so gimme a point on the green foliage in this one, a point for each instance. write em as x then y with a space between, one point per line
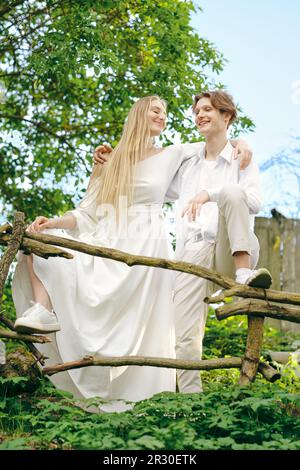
228 337
70 71
11 383
262 417
15 444
7 301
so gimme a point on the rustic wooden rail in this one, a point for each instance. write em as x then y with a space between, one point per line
256 303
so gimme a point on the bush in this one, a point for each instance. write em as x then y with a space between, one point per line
264 416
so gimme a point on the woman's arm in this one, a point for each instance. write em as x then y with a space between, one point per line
67 222
242 149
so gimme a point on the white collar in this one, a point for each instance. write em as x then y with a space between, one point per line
225 153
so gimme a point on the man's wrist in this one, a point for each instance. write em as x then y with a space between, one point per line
207 196
213 194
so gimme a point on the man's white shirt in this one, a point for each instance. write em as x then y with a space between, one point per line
197 174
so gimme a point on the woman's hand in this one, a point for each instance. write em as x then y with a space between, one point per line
42 223
101 153
193 207
243 150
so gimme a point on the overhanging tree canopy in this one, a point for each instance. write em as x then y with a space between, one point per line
70 71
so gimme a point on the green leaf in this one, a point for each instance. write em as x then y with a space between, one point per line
57 112
15 444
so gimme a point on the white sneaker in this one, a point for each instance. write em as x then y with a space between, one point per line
37 319
258 278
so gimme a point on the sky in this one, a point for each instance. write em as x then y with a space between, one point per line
261 41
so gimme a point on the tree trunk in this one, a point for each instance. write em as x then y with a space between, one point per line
253 349
20 363
12 249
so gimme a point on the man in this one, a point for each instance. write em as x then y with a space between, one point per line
216 207
217 203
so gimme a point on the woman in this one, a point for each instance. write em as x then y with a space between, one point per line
98 306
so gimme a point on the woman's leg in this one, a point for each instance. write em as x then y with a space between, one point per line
40 294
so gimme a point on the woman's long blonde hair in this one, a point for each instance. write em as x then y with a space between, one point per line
114 179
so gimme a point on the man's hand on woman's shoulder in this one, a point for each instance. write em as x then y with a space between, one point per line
244 151
101 154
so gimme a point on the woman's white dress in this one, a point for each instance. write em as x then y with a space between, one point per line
104 307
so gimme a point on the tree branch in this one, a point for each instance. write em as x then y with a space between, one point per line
38 125
38 248
6 228
259 308
133 260
117 255
269 373
12 249
6 322
42 250
240 290
219 363
248 306
16 74
253 349
46 130
223 281
23 337
10 6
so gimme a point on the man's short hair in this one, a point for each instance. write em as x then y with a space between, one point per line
219 100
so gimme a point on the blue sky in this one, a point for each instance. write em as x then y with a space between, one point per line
261 41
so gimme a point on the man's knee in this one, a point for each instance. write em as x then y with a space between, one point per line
232 193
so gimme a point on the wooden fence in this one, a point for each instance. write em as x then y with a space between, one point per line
254 302
280 252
